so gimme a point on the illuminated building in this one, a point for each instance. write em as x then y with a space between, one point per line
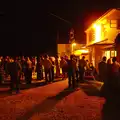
74 48
101 34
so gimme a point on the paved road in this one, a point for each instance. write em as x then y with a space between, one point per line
53 102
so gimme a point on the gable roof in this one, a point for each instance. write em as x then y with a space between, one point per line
109 12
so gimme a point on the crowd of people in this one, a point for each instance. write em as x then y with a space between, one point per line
109 74
48 68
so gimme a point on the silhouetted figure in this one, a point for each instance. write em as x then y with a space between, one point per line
63 65
28 71
47 68
82 64
14 69
39 69
52 69
102 68
57 65
24 67
71 72
111 108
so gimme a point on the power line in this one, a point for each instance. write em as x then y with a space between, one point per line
61 18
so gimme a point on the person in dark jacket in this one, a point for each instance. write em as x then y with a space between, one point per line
39 68
14 69
71 72
102 68
82 65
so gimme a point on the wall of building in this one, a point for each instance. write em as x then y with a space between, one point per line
63 49
66 49
99 53
107 32
96 52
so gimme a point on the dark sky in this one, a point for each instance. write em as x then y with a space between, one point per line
27 27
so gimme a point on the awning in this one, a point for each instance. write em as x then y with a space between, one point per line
81 51
109 47
102 43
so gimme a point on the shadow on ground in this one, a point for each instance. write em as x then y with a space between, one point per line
89 89
5 87
47 105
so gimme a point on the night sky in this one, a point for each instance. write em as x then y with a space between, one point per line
27 27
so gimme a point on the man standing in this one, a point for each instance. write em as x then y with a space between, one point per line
29 71
47 67
71 71
39 68
14 69
102 68
82 64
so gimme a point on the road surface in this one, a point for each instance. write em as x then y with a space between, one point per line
53 102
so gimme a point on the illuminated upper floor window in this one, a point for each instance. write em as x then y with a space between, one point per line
113 23
91 36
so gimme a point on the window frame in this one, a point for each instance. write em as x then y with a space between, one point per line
113 22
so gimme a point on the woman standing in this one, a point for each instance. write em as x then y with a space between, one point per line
57 64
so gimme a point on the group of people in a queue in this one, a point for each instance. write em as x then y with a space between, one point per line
51 68
23 67
16 68
72 68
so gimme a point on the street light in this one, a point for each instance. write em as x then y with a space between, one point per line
73 44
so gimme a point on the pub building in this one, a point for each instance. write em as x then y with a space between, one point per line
101 35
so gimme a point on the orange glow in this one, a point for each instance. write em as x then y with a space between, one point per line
107 54
79 52
115 53
73 44
97 28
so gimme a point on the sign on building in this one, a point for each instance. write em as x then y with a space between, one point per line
71 36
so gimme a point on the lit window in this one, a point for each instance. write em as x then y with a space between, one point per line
113 23
112 53
115 53
107 54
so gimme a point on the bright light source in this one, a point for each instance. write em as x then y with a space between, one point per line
73 44
83 47
79 52
84 51
97 28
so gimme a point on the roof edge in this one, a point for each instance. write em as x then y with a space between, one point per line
110 11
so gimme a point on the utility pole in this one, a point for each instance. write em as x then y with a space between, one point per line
71 33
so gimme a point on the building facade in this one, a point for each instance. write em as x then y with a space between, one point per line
75 48
100 36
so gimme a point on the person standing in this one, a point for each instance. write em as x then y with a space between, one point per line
39 69
47 68
57 65
14 69
63 65
29 71
52 69
24 66
71 71
82 65
102 68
